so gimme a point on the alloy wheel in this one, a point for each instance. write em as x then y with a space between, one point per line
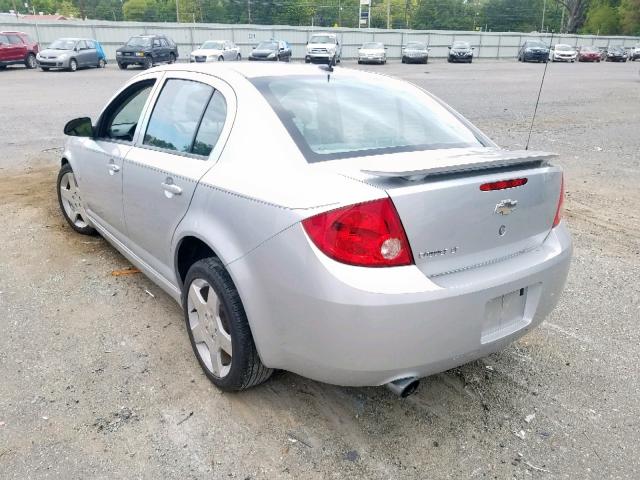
209 327
71 200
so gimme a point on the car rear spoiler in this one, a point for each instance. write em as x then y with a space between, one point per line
440 162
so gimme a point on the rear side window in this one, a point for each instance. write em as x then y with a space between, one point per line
211 125
4 39
90 44
15 39
177 114
344 117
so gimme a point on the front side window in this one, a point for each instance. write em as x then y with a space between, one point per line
337 119
139 42
15 40
123 115
4 39
176 115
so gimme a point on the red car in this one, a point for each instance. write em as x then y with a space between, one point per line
17 48
589 54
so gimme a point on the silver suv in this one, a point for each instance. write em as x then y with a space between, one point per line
323 48
352 242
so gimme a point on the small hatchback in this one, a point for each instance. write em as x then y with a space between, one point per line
350 241
71 54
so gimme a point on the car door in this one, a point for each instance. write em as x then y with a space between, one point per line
81 53
91 53
99 164
17 50
157 50
179 145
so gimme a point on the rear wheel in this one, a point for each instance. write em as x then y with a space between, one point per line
404 59
30 61
70 201
218 328
73 65
239 58
101 63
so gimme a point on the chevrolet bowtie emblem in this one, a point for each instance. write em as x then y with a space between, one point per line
505 207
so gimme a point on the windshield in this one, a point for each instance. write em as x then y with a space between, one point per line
63 44
536 45
590 49
322 39
211 45
461 45
563 48
267 46
139 42
417 46
373 45
336 119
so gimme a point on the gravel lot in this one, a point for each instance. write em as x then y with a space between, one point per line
98 379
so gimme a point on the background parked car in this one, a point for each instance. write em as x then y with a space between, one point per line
323 48
17 48
272 50
216 51
415 52
71 54
603 53
533 51
460 52
589 54
616 54
372 52
561 52
147 50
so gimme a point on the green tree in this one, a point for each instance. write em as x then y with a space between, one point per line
68 9
140 10
630 17
602 18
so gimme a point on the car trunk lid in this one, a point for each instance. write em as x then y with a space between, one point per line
453 224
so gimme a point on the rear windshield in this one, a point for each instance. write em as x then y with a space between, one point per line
563 47
343 117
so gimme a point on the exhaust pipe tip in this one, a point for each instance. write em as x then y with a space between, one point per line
404 387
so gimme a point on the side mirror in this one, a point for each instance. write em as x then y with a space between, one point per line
449 48
79 127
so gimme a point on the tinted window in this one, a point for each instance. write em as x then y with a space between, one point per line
4 39
156 43
124 113
211 126
90 44
139 42
14 39
373 45
337 119
176 115
81 45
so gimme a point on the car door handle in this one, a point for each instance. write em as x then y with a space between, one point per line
171 188
113 168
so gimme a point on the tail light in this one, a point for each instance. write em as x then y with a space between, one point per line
560 208
366 234
503 184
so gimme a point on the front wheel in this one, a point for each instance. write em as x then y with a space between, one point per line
73 65
218 328
30 61
101 63
122 66
44 69
148 63
172 58
70 201
238 58
221 58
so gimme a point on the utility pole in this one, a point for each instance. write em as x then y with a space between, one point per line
340 13
544 10
388 14
177 14
249 9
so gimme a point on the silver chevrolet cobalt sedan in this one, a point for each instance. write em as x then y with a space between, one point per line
342 225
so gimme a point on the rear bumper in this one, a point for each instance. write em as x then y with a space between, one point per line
356 326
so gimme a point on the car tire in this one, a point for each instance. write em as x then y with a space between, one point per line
44 69
73 65
221 58
218 326
239 58
102 63
359 62
30 61
122 66
172 58
404 60
148 63
70 201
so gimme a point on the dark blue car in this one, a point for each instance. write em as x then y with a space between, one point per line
533 51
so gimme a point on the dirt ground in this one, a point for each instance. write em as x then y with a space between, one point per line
97 377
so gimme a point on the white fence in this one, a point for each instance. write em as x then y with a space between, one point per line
189 36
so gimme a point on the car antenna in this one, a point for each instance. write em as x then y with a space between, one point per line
535 111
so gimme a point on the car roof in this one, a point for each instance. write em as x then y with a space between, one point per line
9 31
251 70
